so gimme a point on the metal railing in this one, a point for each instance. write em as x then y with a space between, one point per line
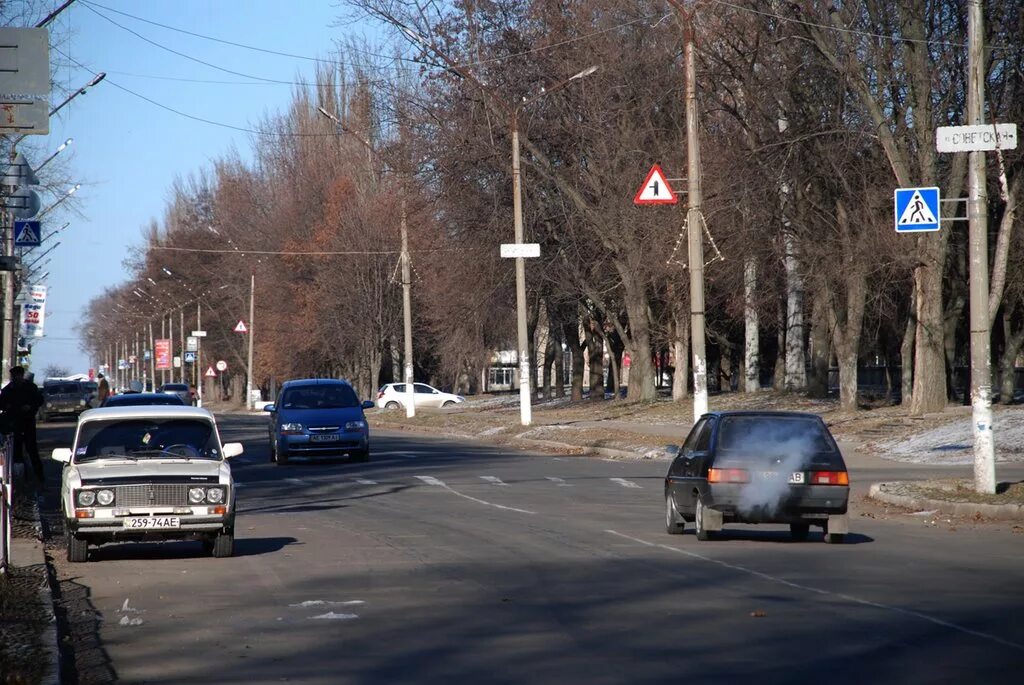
6 490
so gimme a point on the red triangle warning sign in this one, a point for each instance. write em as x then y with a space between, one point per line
655 190
240 327
210 373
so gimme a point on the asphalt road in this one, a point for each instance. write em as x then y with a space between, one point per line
451 562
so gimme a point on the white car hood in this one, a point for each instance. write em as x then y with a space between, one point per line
144 468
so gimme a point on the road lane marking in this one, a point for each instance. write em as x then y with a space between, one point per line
430 480
494 480
625 483
559 481
297 481
366 481
828 593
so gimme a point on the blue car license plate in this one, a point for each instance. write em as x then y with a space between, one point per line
324 438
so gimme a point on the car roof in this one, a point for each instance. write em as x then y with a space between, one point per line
765 414
147 411
305 382
158 396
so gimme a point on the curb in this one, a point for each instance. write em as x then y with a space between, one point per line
49 637
1001 512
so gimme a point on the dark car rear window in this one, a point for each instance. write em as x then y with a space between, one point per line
174 386
773 435
131 400
320 397
61 388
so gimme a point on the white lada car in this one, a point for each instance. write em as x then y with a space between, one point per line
147 472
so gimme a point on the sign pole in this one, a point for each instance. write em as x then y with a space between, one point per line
410 396
525 409
199 355
977 215
252 306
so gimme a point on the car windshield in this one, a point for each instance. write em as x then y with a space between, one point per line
139 399
147 438
320 397
61 388
773 436
174 386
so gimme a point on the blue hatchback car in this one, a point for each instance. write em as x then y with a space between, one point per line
318 417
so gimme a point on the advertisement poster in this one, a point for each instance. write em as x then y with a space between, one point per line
163 353
33 312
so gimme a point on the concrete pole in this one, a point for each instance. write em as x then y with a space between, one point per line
410 391
695 229
152 355
163 336
199 356
977 214
525 410
252 330
181 342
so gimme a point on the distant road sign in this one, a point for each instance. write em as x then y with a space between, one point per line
198 334
210 373
222 365
191 345
917 209
509 250
27 234
190 357
982 137
655 189
240 327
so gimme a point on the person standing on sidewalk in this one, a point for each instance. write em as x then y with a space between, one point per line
102 390
20 400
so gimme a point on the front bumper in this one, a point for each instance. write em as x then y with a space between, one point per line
114 526
796 504
305 446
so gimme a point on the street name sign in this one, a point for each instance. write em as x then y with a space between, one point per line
198 334
27 234
510 250
917 209
655 189
977 138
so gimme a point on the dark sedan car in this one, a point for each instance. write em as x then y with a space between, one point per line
758 467
318 417
132 399
63 398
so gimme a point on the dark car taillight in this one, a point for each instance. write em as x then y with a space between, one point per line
728 476
828 478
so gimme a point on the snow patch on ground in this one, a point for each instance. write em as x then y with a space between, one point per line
492 431
953 443
331 616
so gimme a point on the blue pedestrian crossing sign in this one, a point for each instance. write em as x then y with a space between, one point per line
27 234
190 357
917 209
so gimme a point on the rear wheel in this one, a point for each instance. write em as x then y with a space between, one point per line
673 521
391 405
703 534
223 544
78 549
799 531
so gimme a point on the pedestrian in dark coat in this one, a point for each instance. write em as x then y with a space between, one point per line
20 400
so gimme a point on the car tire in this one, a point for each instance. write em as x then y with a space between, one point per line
835 538
799 531
223 544
392 405
674 524
703 534
449 403
78 549
280 458
273 451
361 455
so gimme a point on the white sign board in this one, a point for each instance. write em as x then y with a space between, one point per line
176 362
983 137
510 250
25 80
33 312
191 343
198 334
222 365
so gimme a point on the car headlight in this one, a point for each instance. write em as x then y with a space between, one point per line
196 495
86 498
81 403
49 405
291 427
215 495
355 425
105 497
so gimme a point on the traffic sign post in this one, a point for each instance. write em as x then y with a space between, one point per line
916 209
655 189
513 250
190 356
222 366
240 327
210 373
27 234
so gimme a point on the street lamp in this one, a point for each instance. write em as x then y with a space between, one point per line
56 152
81 91
71 191
517 207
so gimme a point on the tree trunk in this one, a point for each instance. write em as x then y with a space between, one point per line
595 359
780 355
559 366
817 385
796 367
576 347
680 348
752 352
907 355
531 343
641 362
1008 360
549 360
929 393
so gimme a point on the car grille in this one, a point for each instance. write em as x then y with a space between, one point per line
324 429
155 494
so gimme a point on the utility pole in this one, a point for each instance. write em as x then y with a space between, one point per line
152 355
181 331
252 310
199 355
694 222
410 391
525 396
977 215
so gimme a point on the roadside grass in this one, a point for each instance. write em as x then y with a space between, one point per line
962 490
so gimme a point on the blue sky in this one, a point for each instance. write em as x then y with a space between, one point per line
127 152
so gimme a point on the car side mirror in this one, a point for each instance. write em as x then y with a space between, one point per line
368 404
62 454
672 450
232 449
269 407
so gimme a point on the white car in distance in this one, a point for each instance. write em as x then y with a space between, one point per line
394 396
147 472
